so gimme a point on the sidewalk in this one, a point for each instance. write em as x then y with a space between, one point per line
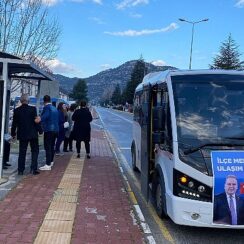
78 201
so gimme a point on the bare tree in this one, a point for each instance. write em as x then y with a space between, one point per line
107 95
27 30
16 85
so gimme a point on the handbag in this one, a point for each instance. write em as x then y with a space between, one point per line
66 125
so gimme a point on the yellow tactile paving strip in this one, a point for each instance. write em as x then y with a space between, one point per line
58 223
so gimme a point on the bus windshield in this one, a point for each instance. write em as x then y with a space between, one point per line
209 111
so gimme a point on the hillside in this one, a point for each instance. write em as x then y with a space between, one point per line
104 80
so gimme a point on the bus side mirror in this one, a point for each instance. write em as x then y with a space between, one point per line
158 120
158 137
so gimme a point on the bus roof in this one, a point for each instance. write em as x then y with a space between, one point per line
160 77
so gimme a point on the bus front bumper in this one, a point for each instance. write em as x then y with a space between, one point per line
193 213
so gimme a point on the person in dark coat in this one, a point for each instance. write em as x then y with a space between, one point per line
27 132
61 131
6 154
68 140
82 128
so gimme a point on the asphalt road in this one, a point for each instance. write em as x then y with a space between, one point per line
119 126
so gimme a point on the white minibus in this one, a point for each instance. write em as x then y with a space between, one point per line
180 117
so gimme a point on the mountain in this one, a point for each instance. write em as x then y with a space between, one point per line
66 83
107 79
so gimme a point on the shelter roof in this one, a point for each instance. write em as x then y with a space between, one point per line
20 68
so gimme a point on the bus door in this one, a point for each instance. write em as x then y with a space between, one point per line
145 139
1 116
1 105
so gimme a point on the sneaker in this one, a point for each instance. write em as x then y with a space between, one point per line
52 163
88 156
7 164
59 154
45 167
78 155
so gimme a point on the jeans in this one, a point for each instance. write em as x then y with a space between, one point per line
59 141
49 143
68 141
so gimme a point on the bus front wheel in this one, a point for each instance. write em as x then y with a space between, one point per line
159 198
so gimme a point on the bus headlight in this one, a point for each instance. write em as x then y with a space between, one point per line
187 187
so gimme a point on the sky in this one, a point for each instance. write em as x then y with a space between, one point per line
102 34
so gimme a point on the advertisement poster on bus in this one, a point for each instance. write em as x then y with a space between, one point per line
228 187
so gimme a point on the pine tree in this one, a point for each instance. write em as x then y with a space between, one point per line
229 57
137 75
116 97
80 91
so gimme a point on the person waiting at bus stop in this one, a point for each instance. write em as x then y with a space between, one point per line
61 131
6 153
27 132
49 120
68 140
82 128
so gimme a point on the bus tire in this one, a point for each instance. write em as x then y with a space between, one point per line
133 157
159 197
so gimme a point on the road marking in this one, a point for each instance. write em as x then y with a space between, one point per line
151 240
121 170
145 228
133 198
139 212
161 224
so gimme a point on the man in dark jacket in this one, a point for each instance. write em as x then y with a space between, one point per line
49 120
27 132
82 129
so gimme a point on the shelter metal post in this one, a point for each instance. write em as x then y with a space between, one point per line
5 82
38 97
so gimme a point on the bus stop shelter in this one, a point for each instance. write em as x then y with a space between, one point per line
13 67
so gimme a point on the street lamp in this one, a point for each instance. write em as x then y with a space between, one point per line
192 34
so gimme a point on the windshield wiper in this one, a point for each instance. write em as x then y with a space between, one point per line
235 138
195 149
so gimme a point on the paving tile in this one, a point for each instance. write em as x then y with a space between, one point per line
3 237
73 186
69 199
60 206
54 238
60 226
60 215
63 191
